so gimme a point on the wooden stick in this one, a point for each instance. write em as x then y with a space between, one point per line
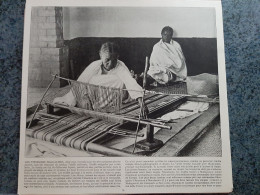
115 118
107 151
145 72
203 99
142 102
180 94
154 120
186 110
121 134
125 131
49 115
147 122
46 119
41 100
93 84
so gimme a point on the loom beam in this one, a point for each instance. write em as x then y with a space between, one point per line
107 151
107 116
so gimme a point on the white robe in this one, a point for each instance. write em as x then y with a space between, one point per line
167 59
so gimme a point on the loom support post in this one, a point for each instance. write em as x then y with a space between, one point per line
150 143
150 132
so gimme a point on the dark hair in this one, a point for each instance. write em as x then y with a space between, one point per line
167 28
109 47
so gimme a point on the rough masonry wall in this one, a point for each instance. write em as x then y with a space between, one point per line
48 55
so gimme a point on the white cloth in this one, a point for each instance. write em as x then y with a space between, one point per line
93 74
194 107
167 58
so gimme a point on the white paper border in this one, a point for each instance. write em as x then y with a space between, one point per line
226 158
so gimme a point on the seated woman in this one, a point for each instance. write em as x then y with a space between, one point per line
167 65
108 72
167 62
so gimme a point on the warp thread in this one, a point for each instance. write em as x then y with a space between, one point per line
96 97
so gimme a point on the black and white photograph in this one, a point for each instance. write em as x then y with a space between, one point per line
123 82
124 97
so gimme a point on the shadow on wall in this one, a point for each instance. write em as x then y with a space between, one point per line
200 53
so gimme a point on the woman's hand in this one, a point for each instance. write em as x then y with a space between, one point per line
144 110
135 76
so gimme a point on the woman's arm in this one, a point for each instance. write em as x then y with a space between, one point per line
134 89
144 109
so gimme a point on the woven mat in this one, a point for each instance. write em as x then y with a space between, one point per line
174 88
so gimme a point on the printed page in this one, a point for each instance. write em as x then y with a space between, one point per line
124 97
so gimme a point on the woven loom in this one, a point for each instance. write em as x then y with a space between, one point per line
77 130
99 111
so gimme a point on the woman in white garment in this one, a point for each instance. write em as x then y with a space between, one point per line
167 65
108 72
167 62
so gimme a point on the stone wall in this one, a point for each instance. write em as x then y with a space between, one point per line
48 54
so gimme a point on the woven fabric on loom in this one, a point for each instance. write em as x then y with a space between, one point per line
109 100
97 98
174 88
90 97
72 130
131 107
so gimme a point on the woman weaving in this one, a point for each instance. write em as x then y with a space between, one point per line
107 72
